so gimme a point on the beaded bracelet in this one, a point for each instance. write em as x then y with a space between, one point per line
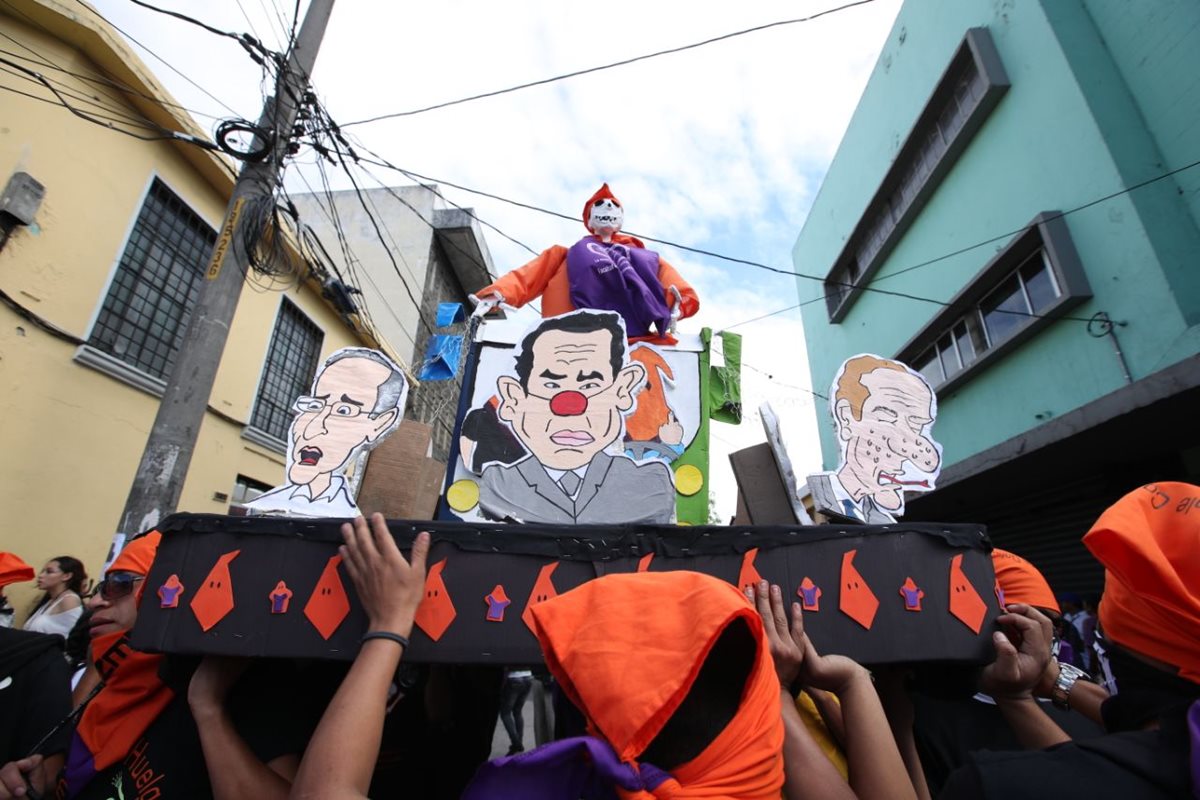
391 637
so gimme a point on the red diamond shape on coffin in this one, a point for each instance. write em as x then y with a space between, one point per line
748 576
328 605
436 611
543 590
856 600
965 602
215 598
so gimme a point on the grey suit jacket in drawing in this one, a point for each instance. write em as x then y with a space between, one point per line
615 490
826 500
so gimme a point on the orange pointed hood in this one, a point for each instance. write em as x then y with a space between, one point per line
627 649
137 555
14 570
1021 582
1149 544
603 193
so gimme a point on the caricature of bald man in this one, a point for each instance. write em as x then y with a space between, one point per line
883 412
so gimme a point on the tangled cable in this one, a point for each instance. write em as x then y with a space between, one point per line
262 141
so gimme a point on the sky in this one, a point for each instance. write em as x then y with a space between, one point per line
721 147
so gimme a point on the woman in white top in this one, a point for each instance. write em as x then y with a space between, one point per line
62 580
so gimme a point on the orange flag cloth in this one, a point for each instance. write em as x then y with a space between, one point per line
1149 544
1021 581
14 570
626 649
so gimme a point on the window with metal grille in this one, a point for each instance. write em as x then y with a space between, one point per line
146 311
291 364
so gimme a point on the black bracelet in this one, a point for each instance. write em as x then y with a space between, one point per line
391 637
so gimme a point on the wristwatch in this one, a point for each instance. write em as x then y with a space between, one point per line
1067 675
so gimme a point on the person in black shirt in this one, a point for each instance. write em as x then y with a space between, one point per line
1149 630
150 734
35 694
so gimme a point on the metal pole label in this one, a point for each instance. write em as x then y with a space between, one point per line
218 256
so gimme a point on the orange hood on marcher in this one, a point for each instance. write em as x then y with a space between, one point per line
1022 582
626 650
1149 544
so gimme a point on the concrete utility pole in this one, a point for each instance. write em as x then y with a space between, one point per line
164 465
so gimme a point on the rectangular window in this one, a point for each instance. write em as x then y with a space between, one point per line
1034 280
971 86
1040 287
951 365
929 366
963 343
291 365
145 314
247 489
1004 309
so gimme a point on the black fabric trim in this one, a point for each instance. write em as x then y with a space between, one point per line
582 542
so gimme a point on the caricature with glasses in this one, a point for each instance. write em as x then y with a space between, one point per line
357 399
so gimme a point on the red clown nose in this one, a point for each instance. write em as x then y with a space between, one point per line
568 404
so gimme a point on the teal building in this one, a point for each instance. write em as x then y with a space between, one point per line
1015 212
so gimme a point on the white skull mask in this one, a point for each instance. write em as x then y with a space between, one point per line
605 218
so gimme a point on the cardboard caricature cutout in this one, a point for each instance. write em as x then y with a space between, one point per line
547 437
357 398
884 413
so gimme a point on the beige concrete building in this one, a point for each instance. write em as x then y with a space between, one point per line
440 255
97 289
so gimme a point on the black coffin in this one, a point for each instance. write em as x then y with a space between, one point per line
324 620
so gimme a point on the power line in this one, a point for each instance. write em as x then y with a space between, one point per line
794 274
611 65
104 122
191 20
433 188
166 63
121 113
44 61
387 251
688 248
249 22
762 316
992 240
1049 218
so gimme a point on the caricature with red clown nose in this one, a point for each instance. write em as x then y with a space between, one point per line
606 271
567 404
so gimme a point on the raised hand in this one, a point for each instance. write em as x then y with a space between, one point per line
389 587
785 651
1022 653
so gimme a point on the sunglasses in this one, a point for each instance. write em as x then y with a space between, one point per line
116 586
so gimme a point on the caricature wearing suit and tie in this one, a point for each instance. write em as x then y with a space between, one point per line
356 400
884 413
567 404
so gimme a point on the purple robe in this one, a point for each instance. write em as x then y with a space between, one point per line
621 278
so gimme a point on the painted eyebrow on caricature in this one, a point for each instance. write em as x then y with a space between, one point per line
551 375
346 399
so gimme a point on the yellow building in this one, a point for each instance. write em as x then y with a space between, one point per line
97 289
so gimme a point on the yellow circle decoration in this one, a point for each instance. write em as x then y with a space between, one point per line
463 495
688 480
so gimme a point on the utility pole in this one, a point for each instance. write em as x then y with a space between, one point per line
160 475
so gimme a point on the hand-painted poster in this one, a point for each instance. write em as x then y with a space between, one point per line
568 423
357 398
884 413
